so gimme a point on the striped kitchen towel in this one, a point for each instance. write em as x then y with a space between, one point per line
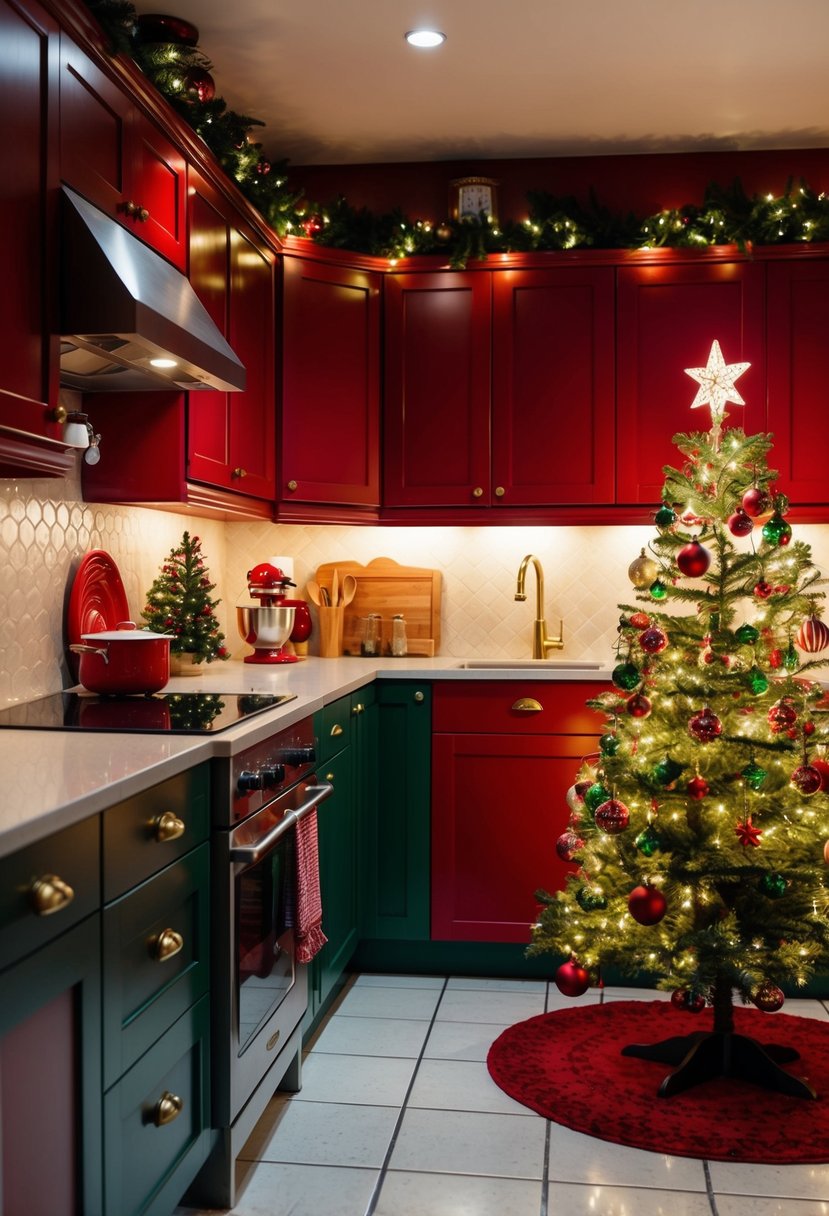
309 935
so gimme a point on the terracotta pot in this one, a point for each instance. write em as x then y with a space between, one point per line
125 660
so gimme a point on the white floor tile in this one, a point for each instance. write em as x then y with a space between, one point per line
304 1190
417 1194
740 1205
462 1142
806 1009
462 1040
569 1199
557 1000
465 982
366 1080
615 992
575 1157
489 1006
784 1181
399 981
460 1085
326 1133
372 1036
371 1002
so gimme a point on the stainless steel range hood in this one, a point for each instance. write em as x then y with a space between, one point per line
129 320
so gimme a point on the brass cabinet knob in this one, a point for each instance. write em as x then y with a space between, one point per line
292 485
358 708
418 696
499 491
168 826
166 945
239 472
167 1108
135 211
329 777
478 492
336 730
50 894
58 414
528 705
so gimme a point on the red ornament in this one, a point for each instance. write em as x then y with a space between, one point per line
638 706
822 767
312 225
768 997
653 640
781 716
693 560
156 27
826 853
198 85
808 728
688 1002
639 620
776 657
572 979
813 635
705 726
763 589
807 779
698 788
748 834
612 817
647 905
756 502
263 167
740 524
567 845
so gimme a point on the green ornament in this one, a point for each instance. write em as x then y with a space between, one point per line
657 590
648 842
773 885
747 635
609 745
776 531
591 898
753 775
756 681
664 517
595 795
791 659
667 770
626 676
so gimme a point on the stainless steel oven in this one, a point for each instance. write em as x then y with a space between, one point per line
260 992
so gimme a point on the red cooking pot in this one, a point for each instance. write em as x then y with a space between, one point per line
123 660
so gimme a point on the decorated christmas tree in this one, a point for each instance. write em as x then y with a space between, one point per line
179 603
699 832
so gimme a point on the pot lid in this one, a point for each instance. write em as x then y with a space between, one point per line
126 633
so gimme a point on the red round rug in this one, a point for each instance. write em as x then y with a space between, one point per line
568 1067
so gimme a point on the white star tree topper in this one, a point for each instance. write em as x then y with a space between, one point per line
716 385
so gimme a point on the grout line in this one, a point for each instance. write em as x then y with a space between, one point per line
375 1194
545 1169
709 1189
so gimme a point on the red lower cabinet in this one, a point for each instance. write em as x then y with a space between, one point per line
503 757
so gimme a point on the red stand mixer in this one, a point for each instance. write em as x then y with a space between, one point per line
269 623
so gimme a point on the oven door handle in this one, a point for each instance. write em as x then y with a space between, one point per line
255 852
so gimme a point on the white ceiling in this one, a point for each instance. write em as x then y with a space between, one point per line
336 83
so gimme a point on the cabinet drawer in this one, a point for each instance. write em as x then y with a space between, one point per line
334 728
62 872
149 1166
145 833
475 706
144 991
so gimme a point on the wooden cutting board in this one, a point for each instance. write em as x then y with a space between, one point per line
385 587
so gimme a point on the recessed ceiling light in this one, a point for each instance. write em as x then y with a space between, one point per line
425 38
163 363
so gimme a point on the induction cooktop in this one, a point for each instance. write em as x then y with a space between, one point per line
172 713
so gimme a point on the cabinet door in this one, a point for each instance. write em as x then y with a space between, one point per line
230 436
553 386
330 432
497 808
798 373
117 158
50 1078
338 872
437 389
668 316
28 159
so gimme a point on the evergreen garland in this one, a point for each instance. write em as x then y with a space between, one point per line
726 216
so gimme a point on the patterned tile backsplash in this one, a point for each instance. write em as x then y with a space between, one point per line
45 529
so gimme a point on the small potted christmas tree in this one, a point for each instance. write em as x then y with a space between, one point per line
179 603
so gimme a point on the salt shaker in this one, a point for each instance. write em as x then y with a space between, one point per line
399 646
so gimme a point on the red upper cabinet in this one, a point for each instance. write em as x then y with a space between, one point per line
329 450
231 436
553 386
668 317
437 378
117 158
798 376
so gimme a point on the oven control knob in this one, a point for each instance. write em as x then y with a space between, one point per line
248 781
271 776
295 756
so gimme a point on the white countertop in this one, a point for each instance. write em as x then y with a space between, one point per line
52 779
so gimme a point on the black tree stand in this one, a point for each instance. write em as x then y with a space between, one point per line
722 1053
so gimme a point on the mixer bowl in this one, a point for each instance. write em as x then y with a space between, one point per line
265 629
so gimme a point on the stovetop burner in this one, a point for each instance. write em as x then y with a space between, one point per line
172 713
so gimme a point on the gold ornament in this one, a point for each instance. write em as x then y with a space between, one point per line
643 570
826 852
443 232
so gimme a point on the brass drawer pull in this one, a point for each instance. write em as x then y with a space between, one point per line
336 729
239 472
167 1108
359 708
50 894
168 827
166 945
528 705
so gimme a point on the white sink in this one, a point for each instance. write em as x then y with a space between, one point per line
527 665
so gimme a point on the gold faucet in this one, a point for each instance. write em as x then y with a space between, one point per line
541 643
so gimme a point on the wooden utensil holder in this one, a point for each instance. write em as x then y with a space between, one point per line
331 631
